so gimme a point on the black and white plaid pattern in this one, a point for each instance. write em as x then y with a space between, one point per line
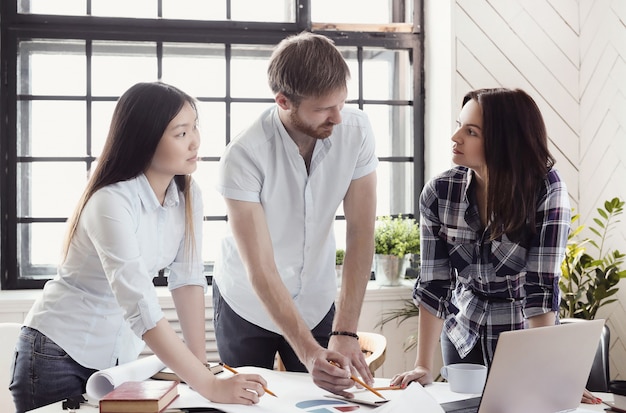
482 286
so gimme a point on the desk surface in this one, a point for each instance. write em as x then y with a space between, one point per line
440 391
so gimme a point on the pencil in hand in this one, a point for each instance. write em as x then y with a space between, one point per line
361 382
232 370
388 388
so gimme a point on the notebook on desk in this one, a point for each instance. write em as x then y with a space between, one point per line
539 370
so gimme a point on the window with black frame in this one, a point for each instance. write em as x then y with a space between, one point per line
66 62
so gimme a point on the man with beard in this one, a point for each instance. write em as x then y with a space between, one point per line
283 179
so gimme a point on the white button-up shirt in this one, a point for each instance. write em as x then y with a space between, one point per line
102 300
264 165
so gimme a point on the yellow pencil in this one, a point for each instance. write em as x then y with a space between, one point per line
388 388
232 370
361 382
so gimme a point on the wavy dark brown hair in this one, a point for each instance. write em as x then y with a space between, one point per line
517 158
139 120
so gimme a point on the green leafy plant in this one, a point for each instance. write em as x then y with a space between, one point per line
591 272
339 256
407 311
396 236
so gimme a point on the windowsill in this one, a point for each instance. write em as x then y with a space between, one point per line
22 300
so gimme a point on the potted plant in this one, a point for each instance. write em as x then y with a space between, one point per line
591 272
395 239
339 255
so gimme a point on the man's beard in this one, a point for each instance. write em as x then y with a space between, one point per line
321 132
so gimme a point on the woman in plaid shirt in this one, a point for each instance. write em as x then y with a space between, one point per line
493 234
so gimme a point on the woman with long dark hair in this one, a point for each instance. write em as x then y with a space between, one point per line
493 234
141 212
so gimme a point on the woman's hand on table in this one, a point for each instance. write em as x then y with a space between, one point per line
419 374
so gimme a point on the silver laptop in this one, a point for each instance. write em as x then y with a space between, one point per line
538 370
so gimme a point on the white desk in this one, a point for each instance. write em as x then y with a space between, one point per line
440 391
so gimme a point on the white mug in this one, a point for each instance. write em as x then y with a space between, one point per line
465 377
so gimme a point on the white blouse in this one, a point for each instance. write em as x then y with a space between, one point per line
102 300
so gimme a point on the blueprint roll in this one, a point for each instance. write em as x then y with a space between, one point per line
103 381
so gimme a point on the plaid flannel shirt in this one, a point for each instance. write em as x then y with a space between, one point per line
482 287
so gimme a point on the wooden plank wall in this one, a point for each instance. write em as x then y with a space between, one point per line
570 55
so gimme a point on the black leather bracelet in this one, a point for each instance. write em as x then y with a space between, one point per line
343 333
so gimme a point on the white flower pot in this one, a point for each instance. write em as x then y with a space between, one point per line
339 272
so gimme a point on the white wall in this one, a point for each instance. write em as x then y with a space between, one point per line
571 57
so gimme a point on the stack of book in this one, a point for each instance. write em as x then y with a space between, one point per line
150 396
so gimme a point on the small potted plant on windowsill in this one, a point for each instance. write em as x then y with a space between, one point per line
339 255
395 239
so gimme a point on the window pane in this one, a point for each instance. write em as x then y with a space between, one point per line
206 176
124 8
60 7
243 114
40 133
101 113
194 9
264 11
249 71
213 232
395 188
51 67
212 120
40 245
351 11
199 70
351 57
387 74
393 129
340 233
116 66
49 189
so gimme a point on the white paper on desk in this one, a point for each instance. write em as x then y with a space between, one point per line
413 398
297 393
401 401
291 389
103 381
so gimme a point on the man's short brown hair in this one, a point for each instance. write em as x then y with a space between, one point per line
307 65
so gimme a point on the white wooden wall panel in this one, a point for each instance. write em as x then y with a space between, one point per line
547 53
560 22
483 50
571 57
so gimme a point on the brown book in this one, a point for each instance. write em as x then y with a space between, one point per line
150 396
168 374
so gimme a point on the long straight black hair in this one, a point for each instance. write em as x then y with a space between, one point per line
517 158
139 120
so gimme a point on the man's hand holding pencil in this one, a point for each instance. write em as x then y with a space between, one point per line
334 372
334 377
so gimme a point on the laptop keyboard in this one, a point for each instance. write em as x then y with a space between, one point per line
462 406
